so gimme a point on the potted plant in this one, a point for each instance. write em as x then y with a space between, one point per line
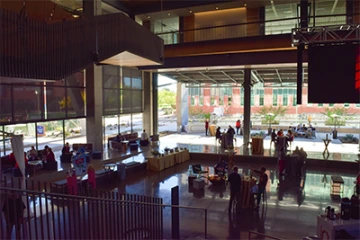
269 114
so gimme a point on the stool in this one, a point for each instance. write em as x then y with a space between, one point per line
134 146
199 183
191 179
96 155
337 183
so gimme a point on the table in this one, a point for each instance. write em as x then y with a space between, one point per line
246 197
327 228
168 160
326 142
212 130
257 146
35 165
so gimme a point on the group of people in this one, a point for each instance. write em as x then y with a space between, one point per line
289 137
237 126
229 135
235 179
302 130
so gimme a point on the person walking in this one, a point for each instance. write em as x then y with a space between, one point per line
235 188
238 126
263 179
206 126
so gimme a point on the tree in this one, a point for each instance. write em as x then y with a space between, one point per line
167 98
336 115
270 113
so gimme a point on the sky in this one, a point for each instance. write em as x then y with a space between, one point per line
165 80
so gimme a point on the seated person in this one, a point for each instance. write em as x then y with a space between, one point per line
144 141
44 152
12 158
33 154
118 138
50 157
221 167
66 149
218 134
308 133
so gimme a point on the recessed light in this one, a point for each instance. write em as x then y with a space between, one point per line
244 4
149 17
190 11
217 8
168 14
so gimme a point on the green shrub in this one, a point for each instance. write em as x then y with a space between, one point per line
273 122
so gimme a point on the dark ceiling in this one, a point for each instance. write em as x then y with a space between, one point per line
277 76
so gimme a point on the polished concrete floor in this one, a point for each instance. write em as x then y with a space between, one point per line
288 213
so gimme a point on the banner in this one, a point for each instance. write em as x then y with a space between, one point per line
79 162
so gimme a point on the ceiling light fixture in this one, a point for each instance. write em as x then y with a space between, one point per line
168 14
244 4
190 11
148 17
217 8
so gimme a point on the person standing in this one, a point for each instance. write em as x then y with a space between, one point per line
13 210
263 179
206 126
235 188
238 126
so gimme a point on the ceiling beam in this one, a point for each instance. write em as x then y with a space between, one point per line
334 6
208 77
229 77
258 75
257 80
190 79
277 72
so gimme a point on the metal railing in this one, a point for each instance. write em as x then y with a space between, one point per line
248 29
92 214
263 236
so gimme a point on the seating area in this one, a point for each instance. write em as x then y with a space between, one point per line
87 146
115 142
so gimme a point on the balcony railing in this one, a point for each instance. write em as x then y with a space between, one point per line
250 29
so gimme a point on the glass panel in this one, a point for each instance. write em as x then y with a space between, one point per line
111 125
285 100
55 102
137 123
136 101
125 123
320 104
28 103
126 78
201 101
221 100
75 131
76 80
125 101
27 130
136 79
51 134
294 100
229 101
5 103
111 77
111 102
212 101
76 102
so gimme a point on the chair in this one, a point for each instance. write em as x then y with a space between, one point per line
51 166
155 139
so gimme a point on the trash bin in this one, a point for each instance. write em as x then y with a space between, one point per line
121 170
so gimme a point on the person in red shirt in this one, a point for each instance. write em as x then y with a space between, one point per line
206 126
238 126
50 156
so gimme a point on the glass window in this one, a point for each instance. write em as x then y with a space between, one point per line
111 77
285 100
346 105
331 104
241 96
51 134
136 79
212 101
111 102
252 98
357 105
320 104
5 103
76 80
294 100
125 123
75 129
261 98
275 97
201 101
56 102
229 101
192 103
137 123
125 101
28 103
221 100
75 102
136 103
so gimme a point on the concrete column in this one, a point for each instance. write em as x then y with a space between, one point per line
94 88
147 99
155 104
247 105
182 106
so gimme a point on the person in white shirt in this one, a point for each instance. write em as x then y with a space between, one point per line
144 139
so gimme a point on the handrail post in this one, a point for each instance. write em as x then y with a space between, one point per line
205 224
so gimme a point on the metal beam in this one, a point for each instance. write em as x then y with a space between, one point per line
258 75
208 77
190 79
229 77
277 72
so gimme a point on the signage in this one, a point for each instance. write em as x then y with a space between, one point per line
40 130
79 162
